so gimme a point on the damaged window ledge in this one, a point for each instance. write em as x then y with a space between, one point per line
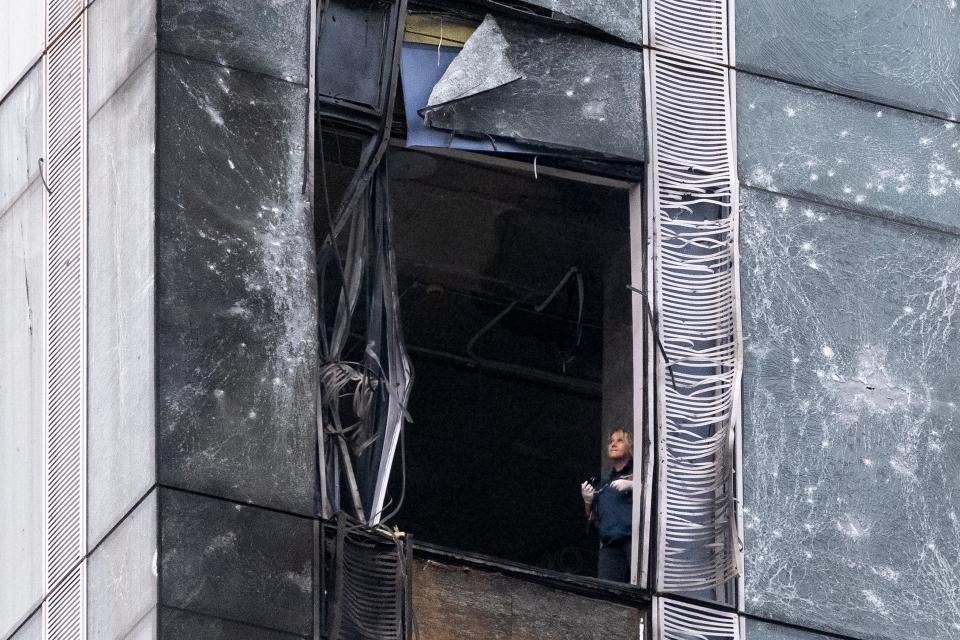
626 594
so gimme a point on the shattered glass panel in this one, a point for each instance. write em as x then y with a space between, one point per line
574 93
899 53
621 18
848 152
235 299
851 427
266 37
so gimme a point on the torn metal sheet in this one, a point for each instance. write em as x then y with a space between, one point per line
421 67
576 93
482 65
365 374
620 18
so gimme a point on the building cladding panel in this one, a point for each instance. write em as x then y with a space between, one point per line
22 42
236 308
896 53
848 154
121 107
849 425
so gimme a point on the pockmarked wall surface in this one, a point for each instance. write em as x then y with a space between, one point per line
236 292
850 259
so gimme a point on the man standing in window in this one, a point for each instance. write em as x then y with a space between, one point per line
610 507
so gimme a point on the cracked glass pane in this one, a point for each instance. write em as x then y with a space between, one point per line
850 420
848 152
757 630
573 92
900 53
621 18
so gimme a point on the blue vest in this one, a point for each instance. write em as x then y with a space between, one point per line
614 509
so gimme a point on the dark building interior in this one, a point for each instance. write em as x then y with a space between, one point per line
508 401
517 319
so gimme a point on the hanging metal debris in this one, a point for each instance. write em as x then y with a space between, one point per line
365 374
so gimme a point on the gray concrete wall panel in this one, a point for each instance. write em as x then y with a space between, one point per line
21 125
32 629
147 628
122 588
236 287
21 40
850 420
121 35
848 152
22 314
121 426
898 53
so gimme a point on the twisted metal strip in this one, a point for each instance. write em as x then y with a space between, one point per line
693 193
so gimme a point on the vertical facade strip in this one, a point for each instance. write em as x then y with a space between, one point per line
674 620
65 330
692 197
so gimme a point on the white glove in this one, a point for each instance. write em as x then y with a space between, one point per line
587 491
622 484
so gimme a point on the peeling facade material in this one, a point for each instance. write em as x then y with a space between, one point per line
574 92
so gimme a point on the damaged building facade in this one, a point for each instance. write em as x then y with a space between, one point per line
314 316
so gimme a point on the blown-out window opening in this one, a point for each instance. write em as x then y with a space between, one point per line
480 340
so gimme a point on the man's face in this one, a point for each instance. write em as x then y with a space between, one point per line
617 447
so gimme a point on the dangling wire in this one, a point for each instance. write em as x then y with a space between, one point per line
656 334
